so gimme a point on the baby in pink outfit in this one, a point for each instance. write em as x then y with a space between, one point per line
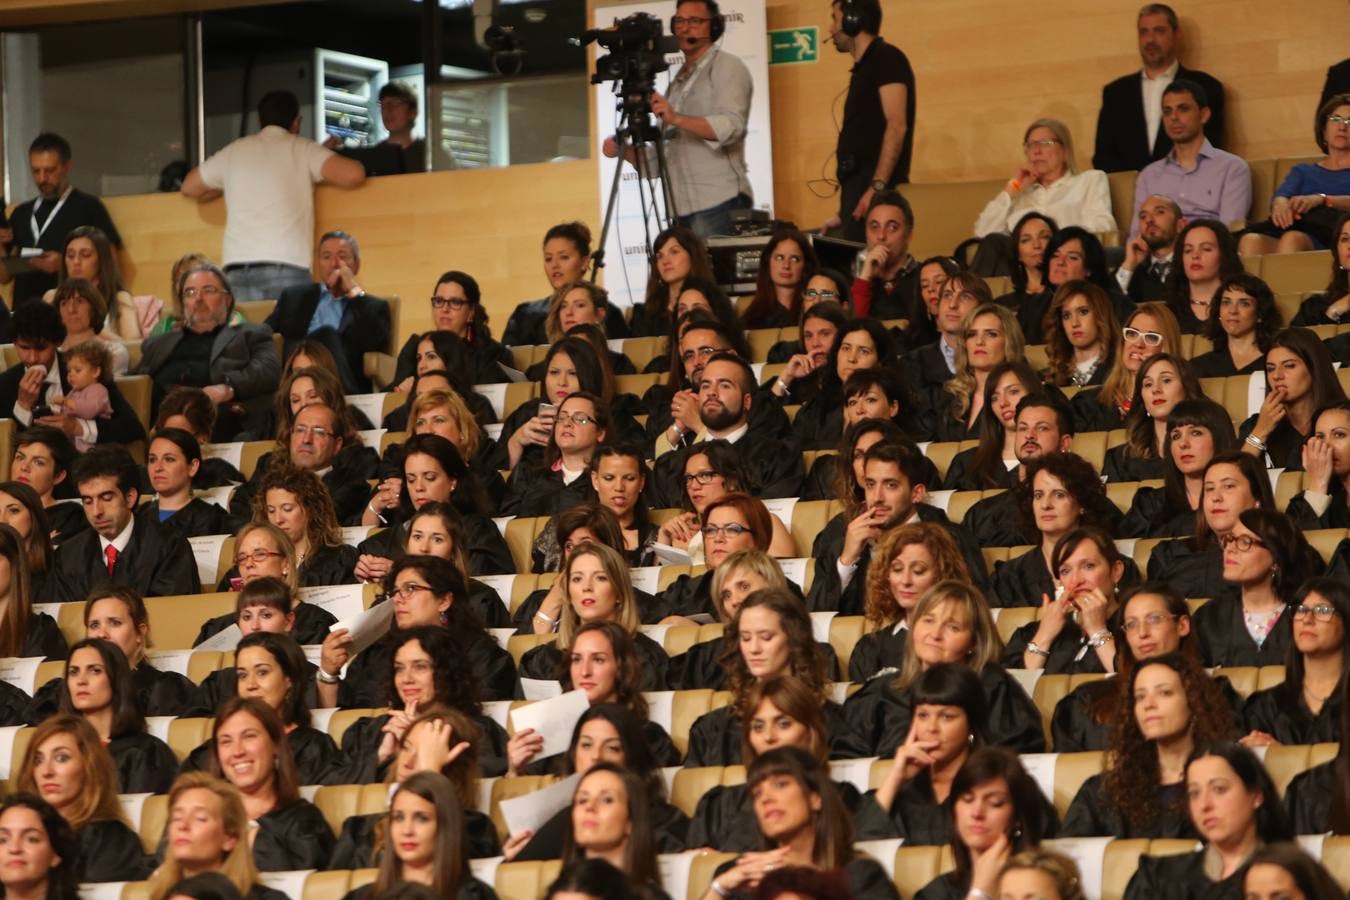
89 371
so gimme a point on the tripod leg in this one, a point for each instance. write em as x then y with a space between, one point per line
620 138
663 172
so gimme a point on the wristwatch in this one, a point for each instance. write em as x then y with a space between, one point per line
1033 647
878 184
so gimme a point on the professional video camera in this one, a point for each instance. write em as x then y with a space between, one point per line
637 48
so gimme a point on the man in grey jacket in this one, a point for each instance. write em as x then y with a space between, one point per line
236 365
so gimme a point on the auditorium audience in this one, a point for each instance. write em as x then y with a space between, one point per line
993 462
1205 256
561 479
21 509
887 283
1241 327
1300 379
1072 254
173 461
933 274
859 345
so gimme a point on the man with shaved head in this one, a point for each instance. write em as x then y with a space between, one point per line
1148 255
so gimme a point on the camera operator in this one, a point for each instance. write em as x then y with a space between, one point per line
705 119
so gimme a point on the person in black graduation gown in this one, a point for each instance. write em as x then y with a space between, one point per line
1267 558
42 460
618 474
893 495
1169 706
562 478
251 751
437 739
1197 431
208 831
780 642
66 764
1322 502
609 732
985 466
811 828
272 668
119 547
1153 621
427 668
1030 236
191 410
173 460
950 624
1306 707
910 560
1235 809
98 687
991 797
599 590
21 509
1242 323
931 360
456 312
1205 256
1300 380
566 256
424 590
1163 381
1318 798
23 631
990 337
50 865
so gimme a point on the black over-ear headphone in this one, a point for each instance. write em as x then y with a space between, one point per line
857 17
717 23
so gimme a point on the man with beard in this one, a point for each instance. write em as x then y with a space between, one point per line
726 389
1044 426
1148 256
894 494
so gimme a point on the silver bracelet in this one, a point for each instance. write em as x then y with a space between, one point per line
1100 638
545 618
723 892
1033 647
1256 442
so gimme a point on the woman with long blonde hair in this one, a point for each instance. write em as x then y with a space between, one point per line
990 336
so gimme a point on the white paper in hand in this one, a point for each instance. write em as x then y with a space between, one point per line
342 600
225 639
367 627
553 720
530 811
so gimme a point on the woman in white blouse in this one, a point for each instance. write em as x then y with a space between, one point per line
1049 182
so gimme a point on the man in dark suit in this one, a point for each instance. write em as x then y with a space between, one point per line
26 389
236 365
335 311
1129 125
1148 257
119 548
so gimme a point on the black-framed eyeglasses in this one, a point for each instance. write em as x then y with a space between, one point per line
696 21
1322 612
1150 338
703 476
407 590
734 529
454 303
1243 542
813 294
1152 620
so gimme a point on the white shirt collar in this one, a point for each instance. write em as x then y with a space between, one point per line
1169 75
121 541
732 436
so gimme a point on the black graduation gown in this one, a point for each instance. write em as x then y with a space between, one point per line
1090 816
1181 878
875 651
145 764
1150 517
1284 445
367 680
773 464
917 816
650 610
488 553
725 817
546 661
158 693
311 625
347 480
1069 653
111 851
540 491
700 666
43 638
1308 799
819 422
867 880
1021 581
486 353
197 519
715 739
15 704
880 715
1224 640
67 520
961 476
1074 728
1336 515
216 472
157 562
1190 571
662 748
313 751
947 886
222 684
1281 712
355 847
1219 364
291 838
689 595
1119 465
469 889
361 745
997 521
1089 415
669 829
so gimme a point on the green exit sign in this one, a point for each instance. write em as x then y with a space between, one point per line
794 45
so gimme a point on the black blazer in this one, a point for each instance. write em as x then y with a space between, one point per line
365 327
157 562
122 428
1122 141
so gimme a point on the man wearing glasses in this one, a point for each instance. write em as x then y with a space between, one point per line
336 311
704 111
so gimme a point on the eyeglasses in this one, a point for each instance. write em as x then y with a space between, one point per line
319 434
1243 542
696 21
574 418
407 590
732 530
1152 620
705 476
1322 612
455 303
1150 338
1053 142
1335 120
209 291
813 294
258 556
700 353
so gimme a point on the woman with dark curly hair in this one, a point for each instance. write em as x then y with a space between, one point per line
770 635
906 562
1197 431
1300 379
1163 381
1205 256
1168 707
1059 493
1234 808
951 624
677 254
1329 306
993 462
298 502
1072 634
44 861
1241 326
1083 339
786 263
1267 558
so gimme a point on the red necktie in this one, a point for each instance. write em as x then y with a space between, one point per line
111 552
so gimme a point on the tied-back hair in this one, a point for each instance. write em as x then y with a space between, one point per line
1200 413
452 523
1339 283
1028 826
309 490
285 780
1140 438
136 612
1272 822
765 299
988 461
1058 348
1295 560
236 865
845 487
793 699
833 827
628 682
961 386
750 560
290 659
967 599
1253 472
1020 277
880 607
639 858
453 683
1130 782
450 858
1268 318
17 613
805 659
63 878
126 714
97 800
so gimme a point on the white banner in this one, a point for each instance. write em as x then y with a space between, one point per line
746 37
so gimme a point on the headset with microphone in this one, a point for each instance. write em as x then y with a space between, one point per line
717 22
857 16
